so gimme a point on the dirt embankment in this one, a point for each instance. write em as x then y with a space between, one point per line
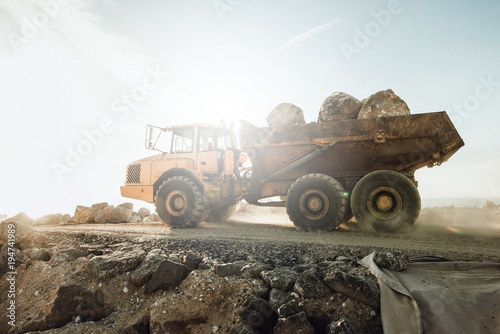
242 276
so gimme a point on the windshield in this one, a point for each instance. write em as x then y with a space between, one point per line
168 141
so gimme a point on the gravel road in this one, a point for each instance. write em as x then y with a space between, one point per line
274 229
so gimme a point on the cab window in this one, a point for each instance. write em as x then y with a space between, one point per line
182 141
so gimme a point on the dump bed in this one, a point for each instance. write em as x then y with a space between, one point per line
347 149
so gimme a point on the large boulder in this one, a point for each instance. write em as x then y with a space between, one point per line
83 215
285 114
383 104
110 214
339 106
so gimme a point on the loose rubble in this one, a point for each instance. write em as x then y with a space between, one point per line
207 287
101 284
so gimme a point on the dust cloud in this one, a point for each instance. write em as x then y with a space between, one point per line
455 219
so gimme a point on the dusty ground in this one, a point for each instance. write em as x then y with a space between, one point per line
454 236
461 234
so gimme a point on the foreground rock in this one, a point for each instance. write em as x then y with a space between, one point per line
309 285
383 104
147 268
357 287
282 278
116 263
167 276
190 285
285 114
339 106
67 303
65 256
397 261
257 313
204 303
75 300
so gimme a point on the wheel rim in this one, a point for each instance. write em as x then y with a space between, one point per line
384 202
314 204
176 203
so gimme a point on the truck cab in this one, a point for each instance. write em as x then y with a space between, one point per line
201 157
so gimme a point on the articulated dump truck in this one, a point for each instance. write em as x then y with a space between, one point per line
323 173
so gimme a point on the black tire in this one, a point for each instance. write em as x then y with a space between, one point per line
385 200
180 202
221 214
316 202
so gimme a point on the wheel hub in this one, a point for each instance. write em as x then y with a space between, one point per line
176 203
314 204
384 202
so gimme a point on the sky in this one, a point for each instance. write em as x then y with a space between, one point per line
80 80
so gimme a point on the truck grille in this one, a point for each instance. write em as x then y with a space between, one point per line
134 174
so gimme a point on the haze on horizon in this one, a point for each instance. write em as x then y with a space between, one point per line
82 79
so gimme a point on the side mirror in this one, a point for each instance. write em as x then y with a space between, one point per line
149 140
152 135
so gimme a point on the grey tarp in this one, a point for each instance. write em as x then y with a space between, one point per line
439 297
